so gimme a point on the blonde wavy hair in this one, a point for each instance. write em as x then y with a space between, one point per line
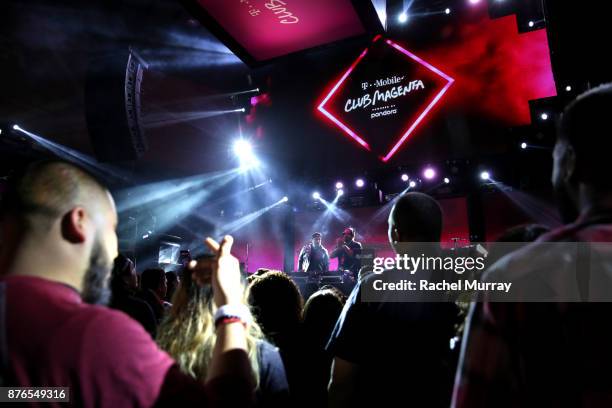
187 333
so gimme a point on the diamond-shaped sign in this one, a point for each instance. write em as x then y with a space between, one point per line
384 96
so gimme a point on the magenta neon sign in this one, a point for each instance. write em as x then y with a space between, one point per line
383 97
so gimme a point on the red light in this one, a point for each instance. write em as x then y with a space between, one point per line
412 128
429 107
331 117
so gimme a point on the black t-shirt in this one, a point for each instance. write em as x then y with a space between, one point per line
349 262
402 349
273 388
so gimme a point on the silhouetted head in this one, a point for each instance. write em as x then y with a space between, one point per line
155 280
415 217
582 152
276 303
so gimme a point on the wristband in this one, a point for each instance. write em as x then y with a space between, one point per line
238 311
228 320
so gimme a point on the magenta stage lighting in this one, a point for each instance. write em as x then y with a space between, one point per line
360 183
474 1
429 173
405 177
339 185
316 195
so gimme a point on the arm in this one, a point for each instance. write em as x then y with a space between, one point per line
343 383
301 259
339 249
231 338
326 262
336 252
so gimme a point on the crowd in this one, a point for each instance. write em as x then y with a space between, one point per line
208 337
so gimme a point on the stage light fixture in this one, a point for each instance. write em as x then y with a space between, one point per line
285 199
316 195
339 185
544 116
429 173
568 88
403 17
16 127
340 192
447 11
446 180
244 151
474 1
523 145
242 148
360 183
531 24
412 184
485 175
405 177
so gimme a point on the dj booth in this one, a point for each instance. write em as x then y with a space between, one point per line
308 286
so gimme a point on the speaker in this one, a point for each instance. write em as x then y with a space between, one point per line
112 106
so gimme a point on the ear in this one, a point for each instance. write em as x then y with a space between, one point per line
570 164
74 225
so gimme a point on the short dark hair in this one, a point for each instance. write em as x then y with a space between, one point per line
48 189
276 303
316 234
152 278
418 215
587 127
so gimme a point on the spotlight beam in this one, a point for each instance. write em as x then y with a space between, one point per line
66 153
336 212
249 218
170 118
155 193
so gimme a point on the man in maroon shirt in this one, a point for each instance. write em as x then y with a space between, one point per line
558 353
59 242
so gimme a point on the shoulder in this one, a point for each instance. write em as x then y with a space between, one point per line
118 353
116 337
271 368
524 262
265 348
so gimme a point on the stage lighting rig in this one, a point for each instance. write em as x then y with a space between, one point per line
244 151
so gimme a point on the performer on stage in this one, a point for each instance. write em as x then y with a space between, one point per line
314 258
347 251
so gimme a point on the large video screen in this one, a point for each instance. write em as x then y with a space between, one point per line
267 29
